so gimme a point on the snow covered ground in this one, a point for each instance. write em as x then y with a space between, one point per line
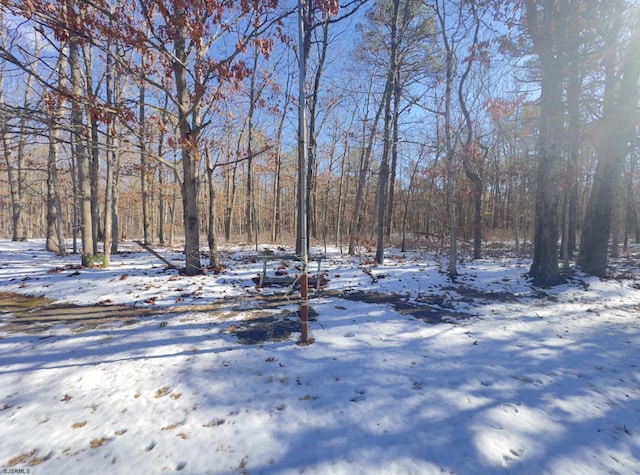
514 380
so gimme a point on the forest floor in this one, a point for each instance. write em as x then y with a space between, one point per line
136 368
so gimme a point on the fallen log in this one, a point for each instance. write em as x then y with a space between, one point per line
147 248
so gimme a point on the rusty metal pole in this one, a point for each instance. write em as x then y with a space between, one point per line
302 180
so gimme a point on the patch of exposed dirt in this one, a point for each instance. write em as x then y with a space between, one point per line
470 294
431 311
261 326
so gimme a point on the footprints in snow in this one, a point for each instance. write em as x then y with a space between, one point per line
513 455
179 466
359 396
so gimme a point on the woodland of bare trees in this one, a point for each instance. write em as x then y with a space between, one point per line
440 123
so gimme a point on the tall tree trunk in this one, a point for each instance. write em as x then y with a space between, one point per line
55 235
544 269
144 181
13 180
75 211
452 267
305 27
394 157
312 151
162 204
387 137
94 168
94 146
569 219
472 159
80 149
617 128
111 152
250 209
188 141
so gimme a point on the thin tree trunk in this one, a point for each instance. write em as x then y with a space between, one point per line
342 192
355 226
112 153
115 201
214 256
394 157
144 182
276 225
94 146
15 168
312 151
162 206
250 210
629 201
230 193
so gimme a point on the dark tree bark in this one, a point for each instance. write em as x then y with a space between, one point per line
570 188
615 134
189 188
542 19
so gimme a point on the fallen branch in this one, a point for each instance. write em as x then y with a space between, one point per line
147 248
